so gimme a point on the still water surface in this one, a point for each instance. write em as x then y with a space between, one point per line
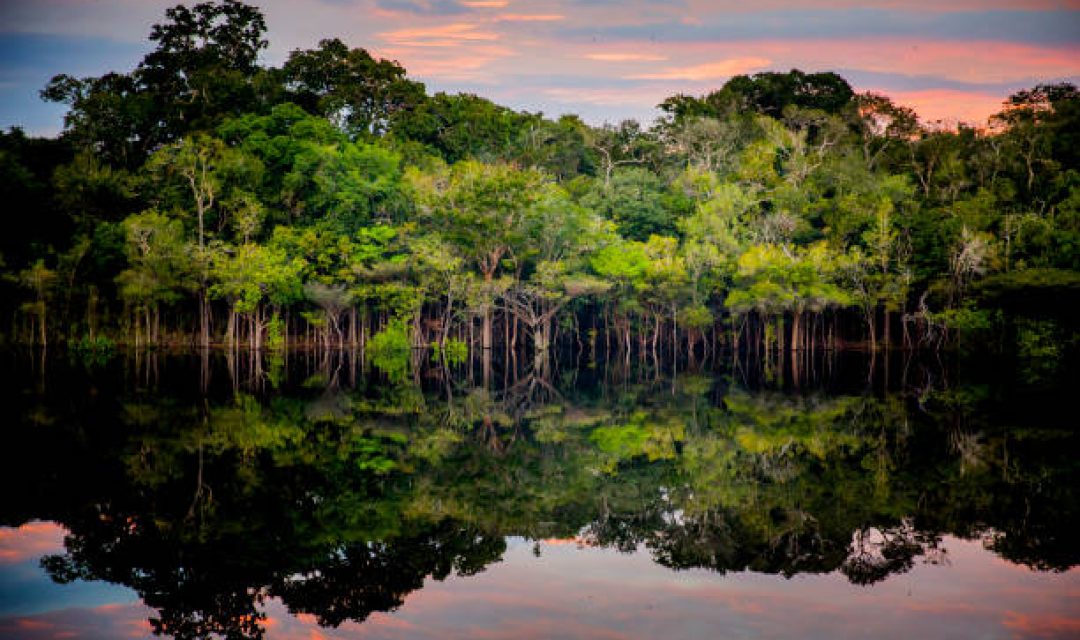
308 498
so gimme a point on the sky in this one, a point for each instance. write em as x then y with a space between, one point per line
606 60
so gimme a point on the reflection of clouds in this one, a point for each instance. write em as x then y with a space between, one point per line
30 541
598 593
594 593
107 622
1042 626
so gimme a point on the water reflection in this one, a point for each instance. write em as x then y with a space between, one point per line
221 492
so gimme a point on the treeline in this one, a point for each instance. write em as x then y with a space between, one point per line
203 199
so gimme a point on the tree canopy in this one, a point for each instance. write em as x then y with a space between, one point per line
203 195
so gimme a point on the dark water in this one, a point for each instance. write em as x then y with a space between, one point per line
307 498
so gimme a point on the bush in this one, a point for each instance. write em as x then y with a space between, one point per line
389 350
94 351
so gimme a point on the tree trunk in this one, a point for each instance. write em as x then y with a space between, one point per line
485 330
885 330
204 320
871 325
794 346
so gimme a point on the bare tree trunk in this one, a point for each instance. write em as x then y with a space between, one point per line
885 332
794 346
204 317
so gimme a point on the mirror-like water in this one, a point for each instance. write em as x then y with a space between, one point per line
304 497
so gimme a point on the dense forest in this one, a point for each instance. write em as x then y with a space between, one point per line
205 199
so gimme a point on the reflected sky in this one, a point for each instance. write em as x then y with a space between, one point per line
32 603
572 590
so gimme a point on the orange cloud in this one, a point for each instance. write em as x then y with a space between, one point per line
948 105
465 64
708 70
484 4
1042 625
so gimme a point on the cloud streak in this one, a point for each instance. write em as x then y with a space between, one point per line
625 57
530 17
708 71
442 36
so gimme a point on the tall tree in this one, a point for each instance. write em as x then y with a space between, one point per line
355 91
484 210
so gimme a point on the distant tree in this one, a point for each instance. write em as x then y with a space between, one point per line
767 93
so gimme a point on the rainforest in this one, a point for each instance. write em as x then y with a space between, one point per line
202 200
310 351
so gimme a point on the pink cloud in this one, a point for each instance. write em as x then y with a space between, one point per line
625 57
30 541
981 61
118 620
1042 626
948 105
447 35
923 6
707 71
529 17
468 63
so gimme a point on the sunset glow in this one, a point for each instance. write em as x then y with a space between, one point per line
950 60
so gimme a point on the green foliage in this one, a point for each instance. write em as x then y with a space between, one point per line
336 189
655 437
769 93
159 259
1038 340
251 275
275 333
698 317
390 350
969 319
94 352
772 280
625 261
454 352
358 93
